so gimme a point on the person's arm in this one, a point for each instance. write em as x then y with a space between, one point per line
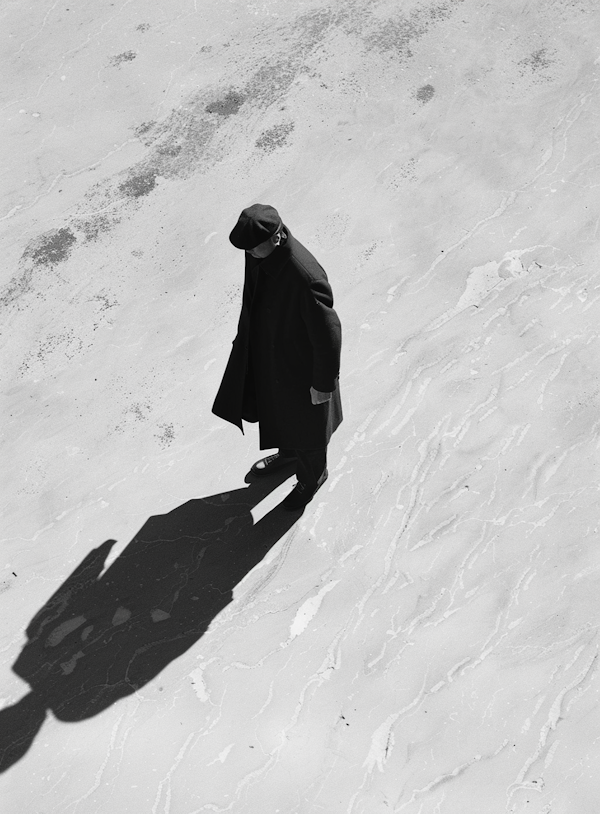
247 297
325 335
317 397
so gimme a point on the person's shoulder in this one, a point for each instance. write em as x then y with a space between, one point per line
304 262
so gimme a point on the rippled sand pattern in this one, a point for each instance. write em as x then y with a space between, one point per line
424 638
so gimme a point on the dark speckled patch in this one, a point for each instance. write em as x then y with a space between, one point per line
188 139
425 94
396 35
271 81
17 287
274 137
166 436
139 183
144 132
126 56
227 105
54 350
95 226
538 61
134 414
50 248
171 150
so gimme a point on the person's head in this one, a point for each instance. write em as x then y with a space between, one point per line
259 230
270 244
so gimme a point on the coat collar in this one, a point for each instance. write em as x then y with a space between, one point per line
272 264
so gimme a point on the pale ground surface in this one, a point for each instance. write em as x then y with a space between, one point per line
424 639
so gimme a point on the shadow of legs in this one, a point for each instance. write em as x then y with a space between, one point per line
105 633
19 725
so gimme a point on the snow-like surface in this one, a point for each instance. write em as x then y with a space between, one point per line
424 638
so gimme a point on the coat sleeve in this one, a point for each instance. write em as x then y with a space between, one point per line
247 297
229 402
324 332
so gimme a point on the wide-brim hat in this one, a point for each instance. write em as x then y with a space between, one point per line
256 224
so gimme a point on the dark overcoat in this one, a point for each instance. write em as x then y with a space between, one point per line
288 340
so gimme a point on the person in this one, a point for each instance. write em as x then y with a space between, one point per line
283 369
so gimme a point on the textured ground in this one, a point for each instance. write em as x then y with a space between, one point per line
425 638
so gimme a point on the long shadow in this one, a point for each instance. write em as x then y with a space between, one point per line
102 636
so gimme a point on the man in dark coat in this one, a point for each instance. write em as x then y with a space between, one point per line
284 364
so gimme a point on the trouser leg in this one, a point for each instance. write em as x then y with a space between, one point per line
310 467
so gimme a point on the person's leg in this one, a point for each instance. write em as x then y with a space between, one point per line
311 471
310 467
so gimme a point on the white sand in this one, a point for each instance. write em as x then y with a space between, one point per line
424 639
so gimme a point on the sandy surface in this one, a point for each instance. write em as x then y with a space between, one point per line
424 638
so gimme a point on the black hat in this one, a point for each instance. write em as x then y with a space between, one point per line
256 224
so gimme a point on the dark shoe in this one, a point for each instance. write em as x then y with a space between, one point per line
299 497
270 464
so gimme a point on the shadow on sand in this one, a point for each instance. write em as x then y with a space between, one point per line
102 636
